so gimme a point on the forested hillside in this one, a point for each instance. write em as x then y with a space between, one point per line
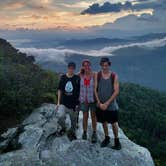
143 118
23 85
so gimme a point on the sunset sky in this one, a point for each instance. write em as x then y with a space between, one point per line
69 14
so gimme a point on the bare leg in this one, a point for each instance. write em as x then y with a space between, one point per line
105 128
94 120
115 129
85 120
94 124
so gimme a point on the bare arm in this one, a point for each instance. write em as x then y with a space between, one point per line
95 88
59 96
60 85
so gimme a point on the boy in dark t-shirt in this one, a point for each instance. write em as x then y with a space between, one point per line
68 99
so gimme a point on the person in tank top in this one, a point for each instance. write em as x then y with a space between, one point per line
106 91
87 98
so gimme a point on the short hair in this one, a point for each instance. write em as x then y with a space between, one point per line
105 59
71 64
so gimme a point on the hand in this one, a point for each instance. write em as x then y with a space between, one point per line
103 107
107 103
57 107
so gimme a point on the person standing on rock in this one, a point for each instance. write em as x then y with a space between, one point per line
106 91
68 100
87 98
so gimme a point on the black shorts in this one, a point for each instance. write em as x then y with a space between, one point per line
106 116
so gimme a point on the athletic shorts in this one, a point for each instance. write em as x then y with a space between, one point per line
106 116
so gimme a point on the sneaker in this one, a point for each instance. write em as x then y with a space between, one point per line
84 135
117 144
94 137
105 142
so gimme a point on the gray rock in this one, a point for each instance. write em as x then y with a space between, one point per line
43 146
9 139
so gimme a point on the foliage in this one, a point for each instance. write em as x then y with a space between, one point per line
22 84
143 118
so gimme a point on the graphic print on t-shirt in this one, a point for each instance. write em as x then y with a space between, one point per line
69 87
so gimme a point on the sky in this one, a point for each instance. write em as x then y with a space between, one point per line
42 27
97 16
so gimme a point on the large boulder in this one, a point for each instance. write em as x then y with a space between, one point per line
42 145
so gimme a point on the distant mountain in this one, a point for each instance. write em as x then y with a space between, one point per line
137 63
95 43
149 36
98 43
133 64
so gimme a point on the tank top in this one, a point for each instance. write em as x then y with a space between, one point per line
86 90
105 91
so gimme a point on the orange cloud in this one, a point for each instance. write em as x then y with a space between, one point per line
62 19
14 6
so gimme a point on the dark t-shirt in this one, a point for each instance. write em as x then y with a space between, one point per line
70 87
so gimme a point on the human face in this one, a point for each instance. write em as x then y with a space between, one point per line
105 66
87 67
71 70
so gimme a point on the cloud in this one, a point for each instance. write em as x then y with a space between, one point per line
25 5
80 4
57 19
147 45
60 55
14 6
65 15
44 55
117 7
153 4
68 25
107 7
153 22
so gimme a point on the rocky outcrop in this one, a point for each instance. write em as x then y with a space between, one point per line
37 142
